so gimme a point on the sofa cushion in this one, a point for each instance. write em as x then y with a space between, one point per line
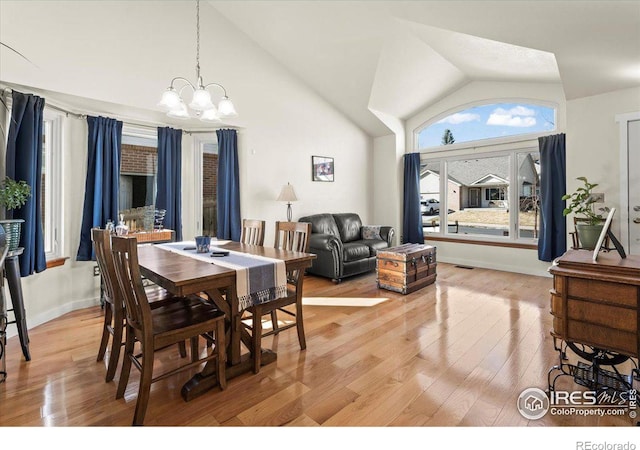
349 226
371 232
354 251
375 245
322 224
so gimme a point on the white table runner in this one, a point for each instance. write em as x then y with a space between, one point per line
258 279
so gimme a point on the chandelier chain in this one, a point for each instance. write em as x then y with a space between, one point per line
198 37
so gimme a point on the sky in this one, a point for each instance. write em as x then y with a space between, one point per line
489 121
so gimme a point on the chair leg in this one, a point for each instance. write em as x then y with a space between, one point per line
300 326
126 364
257 338
144 389
116 344
221 353
274 322
108 315
195 349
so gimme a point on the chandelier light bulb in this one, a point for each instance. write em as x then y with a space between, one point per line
201 100
179 112
226 108
210 115
170 100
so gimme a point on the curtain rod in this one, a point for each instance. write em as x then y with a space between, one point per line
9 91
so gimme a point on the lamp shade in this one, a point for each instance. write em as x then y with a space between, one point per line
287 194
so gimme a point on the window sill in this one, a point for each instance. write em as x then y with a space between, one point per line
56 262
428 237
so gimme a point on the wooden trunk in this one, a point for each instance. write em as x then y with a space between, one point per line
596 303
406 268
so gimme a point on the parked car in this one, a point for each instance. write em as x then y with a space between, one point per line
429 207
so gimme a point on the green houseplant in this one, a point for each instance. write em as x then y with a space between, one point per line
13 195
588 220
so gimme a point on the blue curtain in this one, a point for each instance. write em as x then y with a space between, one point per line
24 162
103 180
229 224
169 181
412 219
552 241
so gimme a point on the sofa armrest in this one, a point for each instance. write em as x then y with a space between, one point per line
326 242
387 234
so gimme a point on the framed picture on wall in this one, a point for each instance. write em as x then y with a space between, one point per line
322 168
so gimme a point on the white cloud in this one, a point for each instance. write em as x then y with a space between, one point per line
516 111
518 116
460 118
509 120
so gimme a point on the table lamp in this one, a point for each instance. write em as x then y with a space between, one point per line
287 195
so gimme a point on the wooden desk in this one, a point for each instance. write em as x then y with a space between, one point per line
596 303
596 315
183 275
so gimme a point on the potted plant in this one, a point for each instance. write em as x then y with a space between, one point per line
13 195
589 221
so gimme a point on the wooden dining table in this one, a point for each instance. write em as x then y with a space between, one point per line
183 275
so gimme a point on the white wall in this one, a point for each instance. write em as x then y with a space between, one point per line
593 142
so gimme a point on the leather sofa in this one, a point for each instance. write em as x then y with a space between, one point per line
343 246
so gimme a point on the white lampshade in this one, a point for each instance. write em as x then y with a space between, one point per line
170 100
287 194
201 100
210 115
179 112
226 108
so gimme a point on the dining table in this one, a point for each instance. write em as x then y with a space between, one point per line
183 275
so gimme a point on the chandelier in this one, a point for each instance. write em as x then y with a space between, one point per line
201 104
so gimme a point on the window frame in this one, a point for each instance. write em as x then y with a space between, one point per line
200 141
443 232
52 153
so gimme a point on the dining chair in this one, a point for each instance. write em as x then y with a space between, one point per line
292 236
160 328
114 318
252 232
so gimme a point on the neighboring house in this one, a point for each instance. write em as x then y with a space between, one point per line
482 183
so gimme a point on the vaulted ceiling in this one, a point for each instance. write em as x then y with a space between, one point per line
366 58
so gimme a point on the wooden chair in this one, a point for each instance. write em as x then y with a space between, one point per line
289 236
113 324
161 327
252 232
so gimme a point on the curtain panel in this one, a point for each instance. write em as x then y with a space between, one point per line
229 223
552 241
103 180
412 219
24 162
169 180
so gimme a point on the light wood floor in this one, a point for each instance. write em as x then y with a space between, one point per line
458 352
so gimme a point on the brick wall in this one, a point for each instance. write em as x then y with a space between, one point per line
138 159
209 176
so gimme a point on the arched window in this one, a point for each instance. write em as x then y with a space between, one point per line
488 187
490 121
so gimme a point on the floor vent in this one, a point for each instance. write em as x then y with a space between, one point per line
465 267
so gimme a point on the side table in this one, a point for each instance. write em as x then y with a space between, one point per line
12 274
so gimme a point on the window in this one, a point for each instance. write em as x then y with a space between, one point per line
491 121
138 168
205 183
51 184
492 194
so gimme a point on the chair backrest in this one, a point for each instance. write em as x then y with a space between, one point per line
293 236
125 260
102 248
252 232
